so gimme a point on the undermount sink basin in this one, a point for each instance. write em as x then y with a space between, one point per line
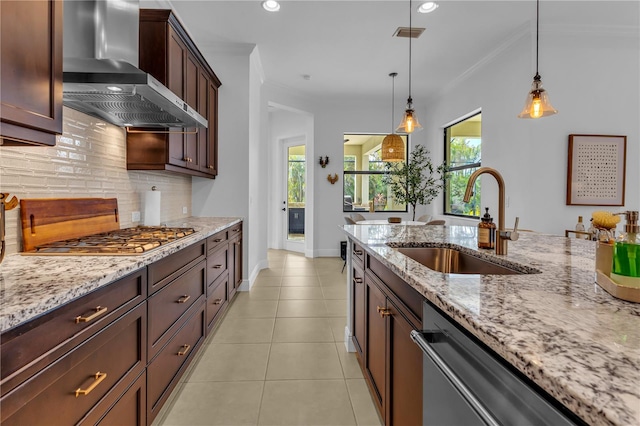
451 261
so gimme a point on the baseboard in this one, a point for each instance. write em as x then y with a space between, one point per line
248 283
327 253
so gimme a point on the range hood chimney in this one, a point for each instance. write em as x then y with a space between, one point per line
100 74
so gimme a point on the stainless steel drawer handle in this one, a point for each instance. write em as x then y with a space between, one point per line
217 266
99 377
358 280
217 240
217 301
358 252
184 349
99 310
453 378
183 299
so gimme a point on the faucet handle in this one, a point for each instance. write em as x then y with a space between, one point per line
511 235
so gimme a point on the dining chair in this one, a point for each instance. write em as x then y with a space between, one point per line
424 218
357 217
436 222
349 220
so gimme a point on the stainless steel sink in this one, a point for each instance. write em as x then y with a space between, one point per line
451 261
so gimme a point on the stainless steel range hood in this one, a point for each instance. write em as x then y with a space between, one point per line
100 74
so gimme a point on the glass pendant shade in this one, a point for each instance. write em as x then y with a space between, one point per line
392 148
537 104
409 123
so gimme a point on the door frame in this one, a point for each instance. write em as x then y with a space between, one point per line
285 144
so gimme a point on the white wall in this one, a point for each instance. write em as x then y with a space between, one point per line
591 75
228 194
582 67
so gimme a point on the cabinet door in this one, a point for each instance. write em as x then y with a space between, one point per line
30 72
203 110
376 343
358 310
191 77
405 365
235 279
177 63
212 146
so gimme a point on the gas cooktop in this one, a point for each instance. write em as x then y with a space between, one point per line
127 241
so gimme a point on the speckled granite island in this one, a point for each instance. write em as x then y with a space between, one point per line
33 285
557 327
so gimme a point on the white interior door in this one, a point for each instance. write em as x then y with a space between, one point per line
295 195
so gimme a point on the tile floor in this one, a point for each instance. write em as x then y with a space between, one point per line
278 355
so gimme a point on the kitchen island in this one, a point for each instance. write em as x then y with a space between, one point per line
556 326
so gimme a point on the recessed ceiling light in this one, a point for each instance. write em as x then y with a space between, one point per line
114 88
271 5
428 7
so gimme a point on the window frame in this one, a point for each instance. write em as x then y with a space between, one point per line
446 201
370 173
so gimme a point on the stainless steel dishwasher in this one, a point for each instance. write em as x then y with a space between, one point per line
464 383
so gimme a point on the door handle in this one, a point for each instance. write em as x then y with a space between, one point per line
284 209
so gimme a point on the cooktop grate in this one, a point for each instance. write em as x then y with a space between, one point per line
127 241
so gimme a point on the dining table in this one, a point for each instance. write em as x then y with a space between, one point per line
386 222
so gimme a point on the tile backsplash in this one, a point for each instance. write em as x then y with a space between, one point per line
89 160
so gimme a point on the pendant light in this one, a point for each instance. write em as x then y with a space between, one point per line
537 104
392 144
409 121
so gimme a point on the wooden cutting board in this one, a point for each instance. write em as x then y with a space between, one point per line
45 220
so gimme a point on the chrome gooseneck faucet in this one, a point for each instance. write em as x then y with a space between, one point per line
503 235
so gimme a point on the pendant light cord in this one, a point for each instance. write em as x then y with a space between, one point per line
410 37
393 95
537 32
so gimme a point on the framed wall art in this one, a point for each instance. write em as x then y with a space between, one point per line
596 170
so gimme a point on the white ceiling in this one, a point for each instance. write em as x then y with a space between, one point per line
347 46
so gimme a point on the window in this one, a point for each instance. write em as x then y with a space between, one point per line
363 186
462 145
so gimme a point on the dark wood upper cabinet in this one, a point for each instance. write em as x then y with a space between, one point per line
168 53
30 72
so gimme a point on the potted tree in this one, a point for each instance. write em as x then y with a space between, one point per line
416 182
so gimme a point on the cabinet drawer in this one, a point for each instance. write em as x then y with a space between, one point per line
164 271
407 296
168 305
217 263
30 347
235 230
216 240
357 253
165 370
216 299
130 408
66 391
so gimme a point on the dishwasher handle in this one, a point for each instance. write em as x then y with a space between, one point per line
452 377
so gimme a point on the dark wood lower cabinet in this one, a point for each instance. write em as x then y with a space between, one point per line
130 408
68 390
391 362
376 344
165 370
357 309
114 356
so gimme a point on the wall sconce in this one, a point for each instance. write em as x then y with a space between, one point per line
324 161
333 179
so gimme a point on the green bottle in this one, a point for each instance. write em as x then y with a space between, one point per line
625 269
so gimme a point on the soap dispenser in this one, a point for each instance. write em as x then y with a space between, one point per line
486 231
625 269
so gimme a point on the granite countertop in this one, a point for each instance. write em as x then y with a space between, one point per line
558 326
33 285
